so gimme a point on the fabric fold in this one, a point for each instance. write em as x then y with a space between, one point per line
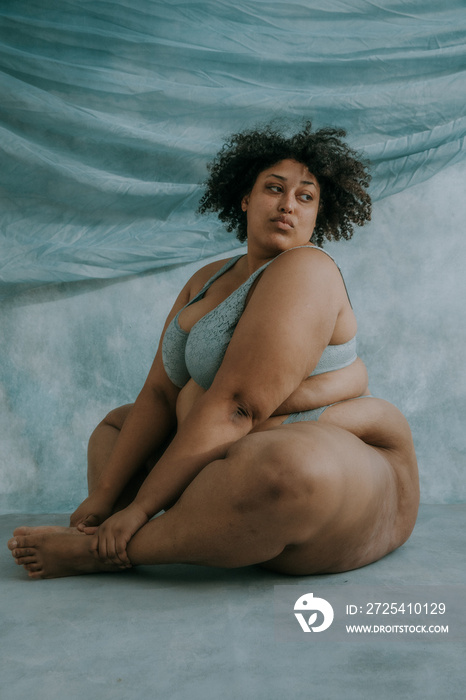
111 111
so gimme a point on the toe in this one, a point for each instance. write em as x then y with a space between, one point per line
24 542
33 566
23 530
26 560
22 546
24 552
36 574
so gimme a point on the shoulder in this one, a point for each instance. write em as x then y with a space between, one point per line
307 265
308 254
302 280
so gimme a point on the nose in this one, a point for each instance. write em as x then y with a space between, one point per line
286 203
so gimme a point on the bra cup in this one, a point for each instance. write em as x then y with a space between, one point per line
210 336
199 353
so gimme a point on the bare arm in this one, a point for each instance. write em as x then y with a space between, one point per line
147 427
277 343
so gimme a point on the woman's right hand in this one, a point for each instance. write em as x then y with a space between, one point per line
93 511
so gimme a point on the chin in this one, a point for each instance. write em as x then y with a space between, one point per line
284 241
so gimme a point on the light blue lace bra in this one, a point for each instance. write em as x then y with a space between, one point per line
198 353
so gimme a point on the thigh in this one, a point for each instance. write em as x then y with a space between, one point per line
360 505
117 416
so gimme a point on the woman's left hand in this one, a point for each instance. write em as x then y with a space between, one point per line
112 536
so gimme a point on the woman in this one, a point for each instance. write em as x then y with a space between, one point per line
269 449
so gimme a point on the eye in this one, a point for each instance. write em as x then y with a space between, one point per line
275 188
306 197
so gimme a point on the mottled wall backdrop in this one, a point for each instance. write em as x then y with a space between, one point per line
109 113
72 352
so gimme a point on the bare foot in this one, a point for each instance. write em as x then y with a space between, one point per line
48 552
24 530
40 529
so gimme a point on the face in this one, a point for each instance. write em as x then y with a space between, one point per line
282 206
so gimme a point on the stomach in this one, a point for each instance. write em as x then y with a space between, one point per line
313 392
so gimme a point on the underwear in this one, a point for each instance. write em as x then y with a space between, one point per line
198 354
315 413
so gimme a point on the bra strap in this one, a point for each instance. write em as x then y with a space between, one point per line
219 273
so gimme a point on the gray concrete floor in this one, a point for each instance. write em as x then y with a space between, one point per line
187 632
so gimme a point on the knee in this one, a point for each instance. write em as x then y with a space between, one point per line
116 417
268 472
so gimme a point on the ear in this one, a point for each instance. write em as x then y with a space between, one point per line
245 202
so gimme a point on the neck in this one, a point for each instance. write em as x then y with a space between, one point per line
257 256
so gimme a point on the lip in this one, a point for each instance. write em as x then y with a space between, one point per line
283 222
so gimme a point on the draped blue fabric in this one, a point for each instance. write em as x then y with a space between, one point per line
110 110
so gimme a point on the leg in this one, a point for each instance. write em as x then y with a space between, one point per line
101 444
201 527
212 523
301 499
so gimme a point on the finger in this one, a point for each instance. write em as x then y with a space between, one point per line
88 530
88 521
102 547
112 552
121 545
95 546
116 543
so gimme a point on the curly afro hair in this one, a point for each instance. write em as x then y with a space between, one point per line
341 172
